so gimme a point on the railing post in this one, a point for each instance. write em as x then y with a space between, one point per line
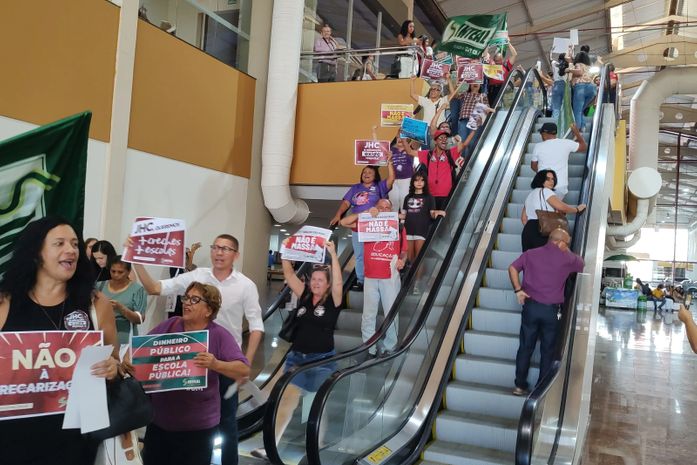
349 30
377 41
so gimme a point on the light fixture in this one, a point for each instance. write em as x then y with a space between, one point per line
286 234
284 230
277 225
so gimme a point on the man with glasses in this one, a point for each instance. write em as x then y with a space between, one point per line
240 299
553 154
545 271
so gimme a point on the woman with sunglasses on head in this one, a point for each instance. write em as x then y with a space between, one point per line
542 197
319 303
185 422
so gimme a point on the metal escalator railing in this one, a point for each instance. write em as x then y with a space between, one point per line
417 286
383 401
542 416
250 411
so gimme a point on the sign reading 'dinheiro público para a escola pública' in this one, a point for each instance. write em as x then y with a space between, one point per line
157 241
165 362
36 370
306 245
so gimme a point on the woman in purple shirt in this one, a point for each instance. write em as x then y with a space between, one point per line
360 198
185 422
404 169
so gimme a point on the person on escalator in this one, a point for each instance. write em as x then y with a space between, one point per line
545 270
362 197
553 154
319 305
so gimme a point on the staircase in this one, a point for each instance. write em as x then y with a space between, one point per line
478 424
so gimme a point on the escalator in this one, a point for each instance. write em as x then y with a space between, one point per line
358 401
445 396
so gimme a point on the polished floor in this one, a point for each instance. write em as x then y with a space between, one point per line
644 397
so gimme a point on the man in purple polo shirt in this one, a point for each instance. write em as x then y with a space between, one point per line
541 295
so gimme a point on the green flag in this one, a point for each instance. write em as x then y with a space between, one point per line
42 172
566 113
468 36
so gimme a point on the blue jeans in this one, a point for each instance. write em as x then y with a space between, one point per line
358 253
557 98
539 321
583 95
228 423
310 380
455 105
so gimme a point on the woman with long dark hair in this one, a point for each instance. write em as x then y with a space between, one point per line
49 286
405 38
102 253
542 197
418 211
559 83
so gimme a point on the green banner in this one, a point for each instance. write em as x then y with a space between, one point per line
42 172
468 36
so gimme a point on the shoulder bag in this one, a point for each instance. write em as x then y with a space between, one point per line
290 326
549 220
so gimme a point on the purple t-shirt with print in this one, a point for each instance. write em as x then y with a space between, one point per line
403 164
195 409
364 198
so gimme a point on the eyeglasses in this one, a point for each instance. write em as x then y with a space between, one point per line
222 248
320 267
194 299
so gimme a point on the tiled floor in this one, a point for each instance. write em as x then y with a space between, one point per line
644 398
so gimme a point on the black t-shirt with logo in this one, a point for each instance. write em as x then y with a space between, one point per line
315 333
418 209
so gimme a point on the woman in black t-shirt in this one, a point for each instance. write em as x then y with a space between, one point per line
418 213
319 304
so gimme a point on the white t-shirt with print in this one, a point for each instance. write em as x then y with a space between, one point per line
534 202
430 108
553 154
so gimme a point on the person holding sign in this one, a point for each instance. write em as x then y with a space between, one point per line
434 100
362 197
240 299
383 262
468 102
319 304
49 286
128 299
495 85
186 421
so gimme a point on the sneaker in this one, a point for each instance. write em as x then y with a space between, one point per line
259 453
520 391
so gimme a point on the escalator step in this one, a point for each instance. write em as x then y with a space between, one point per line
498 279
490 370
501 260
494 344
451 453
574 170
477 430
501 299
576 158
509 243
496 320
483 399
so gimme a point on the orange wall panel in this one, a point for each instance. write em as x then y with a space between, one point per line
330 116
190 107
58 59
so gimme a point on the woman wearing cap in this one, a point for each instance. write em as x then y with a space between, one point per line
542 197
435 99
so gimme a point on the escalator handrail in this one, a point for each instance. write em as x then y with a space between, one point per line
321 397
282 383
526 433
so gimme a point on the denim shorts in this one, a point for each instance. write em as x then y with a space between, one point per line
310 380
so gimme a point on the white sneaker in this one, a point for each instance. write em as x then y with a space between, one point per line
259 453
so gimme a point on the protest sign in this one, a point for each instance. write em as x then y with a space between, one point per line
414 129
164 362
434 70
306 245
470 72
444 57
392 114
384 227
493 71
157 241
561 45
371 152
573 36
36 370
468 36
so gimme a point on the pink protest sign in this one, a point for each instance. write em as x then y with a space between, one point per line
434 70
470 72
157 241
371 152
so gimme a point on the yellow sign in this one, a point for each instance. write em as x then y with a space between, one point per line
392 114
380 454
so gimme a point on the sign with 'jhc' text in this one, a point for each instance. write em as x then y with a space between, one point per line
435 70
36 370
383 227
157 241
306 245
371 152
165 362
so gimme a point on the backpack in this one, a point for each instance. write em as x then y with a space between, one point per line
453 176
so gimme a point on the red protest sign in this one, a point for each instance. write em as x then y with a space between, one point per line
470 71
383 227
306 245
371 152
36 369
434 70
157 241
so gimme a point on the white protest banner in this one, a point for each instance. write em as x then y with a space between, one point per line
157 241
573 36
306 245
384 227
561 45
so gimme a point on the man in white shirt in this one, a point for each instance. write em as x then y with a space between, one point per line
240 298
553 154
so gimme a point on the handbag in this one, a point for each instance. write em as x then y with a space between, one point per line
121 450
129 408
289 326
549 220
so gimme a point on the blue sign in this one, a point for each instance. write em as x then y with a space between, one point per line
622 298
414 129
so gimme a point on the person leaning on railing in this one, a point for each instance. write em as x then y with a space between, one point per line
326 70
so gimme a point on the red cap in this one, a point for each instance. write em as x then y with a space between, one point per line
439 133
